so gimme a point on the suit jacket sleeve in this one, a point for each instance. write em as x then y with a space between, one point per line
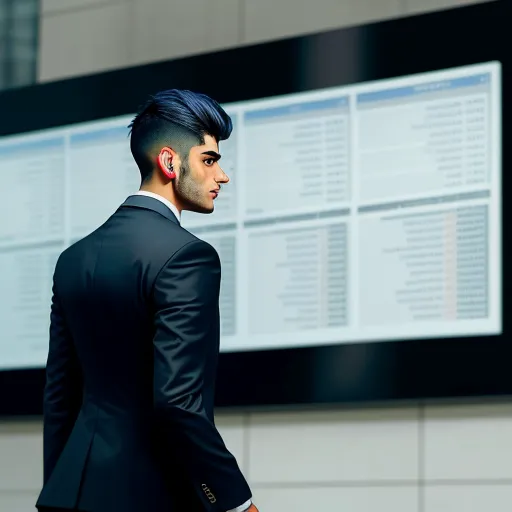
186 296
63 389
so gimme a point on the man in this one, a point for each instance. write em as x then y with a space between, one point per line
134 337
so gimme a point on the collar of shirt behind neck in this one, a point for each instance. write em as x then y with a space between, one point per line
162 200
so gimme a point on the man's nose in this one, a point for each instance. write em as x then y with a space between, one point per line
223 177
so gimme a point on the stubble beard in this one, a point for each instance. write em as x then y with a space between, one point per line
189 193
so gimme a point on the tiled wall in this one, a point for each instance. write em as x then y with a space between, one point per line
414 459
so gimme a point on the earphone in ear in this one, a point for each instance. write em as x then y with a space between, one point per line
168 170
171 174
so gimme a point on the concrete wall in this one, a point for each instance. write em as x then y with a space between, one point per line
84 36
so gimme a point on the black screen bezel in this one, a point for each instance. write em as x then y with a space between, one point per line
351 373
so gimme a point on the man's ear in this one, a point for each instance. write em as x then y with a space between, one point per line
165 162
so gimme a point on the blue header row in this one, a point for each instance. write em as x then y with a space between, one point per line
414 90
29 147
297 108
57 144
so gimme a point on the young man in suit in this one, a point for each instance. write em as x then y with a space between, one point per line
134 337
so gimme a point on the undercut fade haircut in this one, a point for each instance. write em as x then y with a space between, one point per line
176 118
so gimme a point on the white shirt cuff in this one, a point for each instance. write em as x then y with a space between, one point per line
241 508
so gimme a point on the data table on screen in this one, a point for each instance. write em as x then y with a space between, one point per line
426 266
26 300
368 212
102 175
420 139
33 177
298 278
296 156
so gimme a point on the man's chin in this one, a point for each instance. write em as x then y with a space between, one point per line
201 209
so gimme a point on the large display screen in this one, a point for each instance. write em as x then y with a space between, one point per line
368 212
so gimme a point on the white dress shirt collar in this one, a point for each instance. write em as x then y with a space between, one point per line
162 200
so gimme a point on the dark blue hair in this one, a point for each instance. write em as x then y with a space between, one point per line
176 118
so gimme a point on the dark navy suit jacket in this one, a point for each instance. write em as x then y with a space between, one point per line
129 398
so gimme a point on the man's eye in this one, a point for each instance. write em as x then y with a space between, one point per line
209 161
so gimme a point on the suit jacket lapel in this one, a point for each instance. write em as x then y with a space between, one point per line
149 203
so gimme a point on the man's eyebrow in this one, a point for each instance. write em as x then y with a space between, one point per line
213 154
